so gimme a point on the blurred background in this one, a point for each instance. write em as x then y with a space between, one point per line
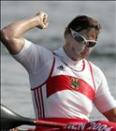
15 92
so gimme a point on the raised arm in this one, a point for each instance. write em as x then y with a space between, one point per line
12 35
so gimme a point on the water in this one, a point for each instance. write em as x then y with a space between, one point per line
60 13
15 92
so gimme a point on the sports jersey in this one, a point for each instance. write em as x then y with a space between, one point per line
61 87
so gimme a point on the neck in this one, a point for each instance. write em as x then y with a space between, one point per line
70 53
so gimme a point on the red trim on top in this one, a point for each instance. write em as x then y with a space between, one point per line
91 70
37 102
48 76
42 103
83 65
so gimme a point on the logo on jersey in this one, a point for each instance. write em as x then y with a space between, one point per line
64 82
61 67
75 83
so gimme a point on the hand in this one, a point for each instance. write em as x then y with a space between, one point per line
43 20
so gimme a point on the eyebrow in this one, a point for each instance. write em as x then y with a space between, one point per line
97 32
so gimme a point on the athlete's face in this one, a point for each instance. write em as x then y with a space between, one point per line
83 43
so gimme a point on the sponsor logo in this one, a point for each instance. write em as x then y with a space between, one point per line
93 126
61 67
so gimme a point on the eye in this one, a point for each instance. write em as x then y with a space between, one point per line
91 44
79 38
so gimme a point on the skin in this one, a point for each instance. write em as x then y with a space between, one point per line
12 37
77 51
83 52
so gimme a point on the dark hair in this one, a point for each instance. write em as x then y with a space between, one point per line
82 22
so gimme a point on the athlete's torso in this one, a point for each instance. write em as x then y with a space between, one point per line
53 98
67 93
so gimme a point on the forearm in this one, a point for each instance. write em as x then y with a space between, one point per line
111 115
12 35
17 29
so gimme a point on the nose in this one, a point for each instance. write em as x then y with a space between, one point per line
86 48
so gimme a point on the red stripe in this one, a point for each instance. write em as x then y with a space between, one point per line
39 102
92 76
42 103
36 102
63 82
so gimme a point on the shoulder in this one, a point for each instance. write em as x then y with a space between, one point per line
98 74
96 70
34 56
31 49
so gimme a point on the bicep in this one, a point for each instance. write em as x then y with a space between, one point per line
33 57
13 44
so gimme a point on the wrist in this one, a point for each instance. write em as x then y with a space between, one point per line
35 21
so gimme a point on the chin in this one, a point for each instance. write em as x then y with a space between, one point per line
84 56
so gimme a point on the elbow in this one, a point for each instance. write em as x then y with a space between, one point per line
112 118
111 115
5 35
10 41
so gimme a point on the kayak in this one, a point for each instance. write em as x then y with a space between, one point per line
80 126
10 119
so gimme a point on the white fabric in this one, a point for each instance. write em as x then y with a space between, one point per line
65 103
38 62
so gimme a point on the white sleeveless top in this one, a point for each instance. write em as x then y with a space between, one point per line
62 88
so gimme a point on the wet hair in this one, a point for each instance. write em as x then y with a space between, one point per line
82 22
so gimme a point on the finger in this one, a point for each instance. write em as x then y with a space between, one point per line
45 18
43 15
45 21
45 26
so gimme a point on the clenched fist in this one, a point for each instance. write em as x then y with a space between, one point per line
42 20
